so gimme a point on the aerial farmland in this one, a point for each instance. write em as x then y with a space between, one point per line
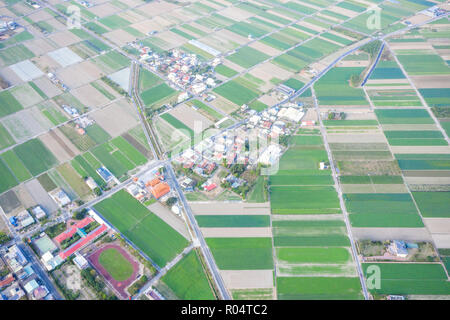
224 150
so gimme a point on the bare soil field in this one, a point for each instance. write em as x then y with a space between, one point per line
236 14
119 37
147 26
40 46
174 40
170 218
247 279
306 217
427 180
45 62
353 63
61 153
267 70
156 8
236 232
194 120
116 118
79 74
47 87
64 38
438 225
22 125
441 240
90 96
25 197
224 104
418 18
104 9
420 149
409 127
410 46
41 196
9 201
435 81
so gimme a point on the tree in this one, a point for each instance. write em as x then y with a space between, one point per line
98 191
4 238
171 201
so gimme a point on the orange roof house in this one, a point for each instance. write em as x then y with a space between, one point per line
153 182
160 189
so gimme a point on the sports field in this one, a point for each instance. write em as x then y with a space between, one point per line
142 227
116 264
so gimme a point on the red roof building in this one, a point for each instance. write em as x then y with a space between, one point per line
210 187
83 242
73 229
160 190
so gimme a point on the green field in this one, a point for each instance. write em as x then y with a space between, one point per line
35 156
188 280
15 165
233 221
403 116
304 200
247 57
433 204
129 151
8 180
146 230
310 233
85 170
410 278
242 253
8 104
156 93
322 288
313 255
382 210
6 139
225 71
116 264
236 92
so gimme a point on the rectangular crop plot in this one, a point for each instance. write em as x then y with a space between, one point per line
7 180
382 210
188 280
409 278
146 230
242 253
433 204
313 288
247 57
15 165
35 156
8 104
403 116
129 151
156 93
236 92
304 200
233 221
310 233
